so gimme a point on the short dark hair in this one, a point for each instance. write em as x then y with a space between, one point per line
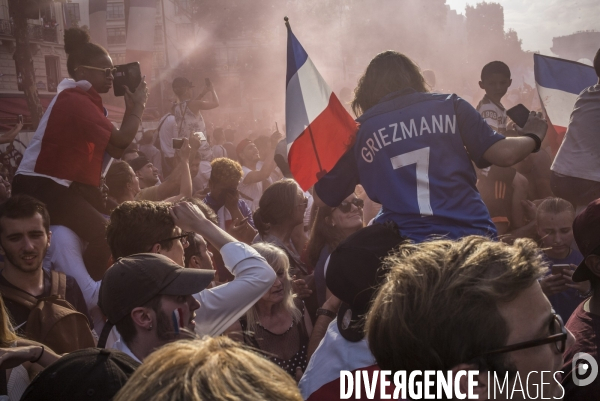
126 327
23 207
495 67
218 134
597 63
135 227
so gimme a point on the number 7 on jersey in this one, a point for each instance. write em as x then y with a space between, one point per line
420 157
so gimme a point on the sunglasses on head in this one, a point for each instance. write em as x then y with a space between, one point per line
346 207
107 71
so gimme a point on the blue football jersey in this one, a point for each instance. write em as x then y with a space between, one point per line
413 155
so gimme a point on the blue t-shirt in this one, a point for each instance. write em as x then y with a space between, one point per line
564 303
413 154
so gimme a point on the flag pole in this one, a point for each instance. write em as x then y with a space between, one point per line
321 172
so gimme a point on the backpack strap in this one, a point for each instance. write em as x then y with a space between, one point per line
18 296
58 284
104 334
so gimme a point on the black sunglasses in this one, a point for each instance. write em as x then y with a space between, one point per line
346 207
558 336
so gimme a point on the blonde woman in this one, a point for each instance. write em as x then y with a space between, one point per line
278 323
215 369
20 359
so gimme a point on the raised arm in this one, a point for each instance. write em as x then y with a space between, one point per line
224 305
10 136
510 151
135 103
268 165
185 182
197 104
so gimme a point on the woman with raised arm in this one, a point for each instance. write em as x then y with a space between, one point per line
74 143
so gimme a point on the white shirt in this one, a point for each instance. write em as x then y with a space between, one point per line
578 155
65 255
222 306
254 191
219 151
168 131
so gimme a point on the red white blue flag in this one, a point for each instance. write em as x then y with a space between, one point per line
559 83
319 130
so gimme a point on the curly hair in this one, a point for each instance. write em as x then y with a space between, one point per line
226 171
388 72
135 227
440 287
217 369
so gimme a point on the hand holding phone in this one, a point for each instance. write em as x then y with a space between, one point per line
519 114
558 268
20 118
128 75
177 143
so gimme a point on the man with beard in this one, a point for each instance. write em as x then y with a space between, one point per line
149 298
24 240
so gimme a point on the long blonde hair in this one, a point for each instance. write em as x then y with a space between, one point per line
215 369
277 259
7 335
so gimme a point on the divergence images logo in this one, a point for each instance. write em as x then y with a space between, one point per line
584 365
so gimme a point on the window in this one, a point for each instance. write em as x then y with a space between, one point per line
116 35
181 7
159 60
115 11
158 34
118 58
185 32
52 72
72 15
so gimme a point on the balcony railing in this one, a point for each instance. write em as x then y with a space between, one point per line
40 33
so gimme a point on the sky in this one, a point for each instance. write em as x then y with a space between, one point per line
538 21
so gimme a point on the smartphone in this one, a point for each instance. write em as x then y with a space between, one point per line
128 75
207 82
519 114
177 143
558 269
276 127
20 118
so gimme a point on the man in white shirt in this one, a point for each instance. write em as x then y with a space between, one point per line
256 172
156 227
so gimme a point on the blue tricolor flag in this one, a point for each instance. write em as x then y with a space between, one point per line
318 128
559 82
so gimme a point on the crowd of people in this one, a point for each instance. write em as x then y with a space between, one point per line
186 263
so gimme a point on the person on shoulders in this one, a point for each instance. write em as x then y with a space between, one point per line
72 146
422 146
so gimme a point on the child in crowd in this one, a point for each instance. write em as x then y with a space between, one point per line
554 226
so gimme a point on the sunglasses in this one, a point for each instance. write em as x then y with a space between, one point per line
558 337
185 238
107 71
346 207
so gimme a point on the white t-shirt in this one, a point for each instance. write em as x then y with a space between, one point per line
253 191
579 154
493 113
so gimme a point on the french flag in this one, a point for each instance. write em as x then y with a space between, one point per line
318 128
559 82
